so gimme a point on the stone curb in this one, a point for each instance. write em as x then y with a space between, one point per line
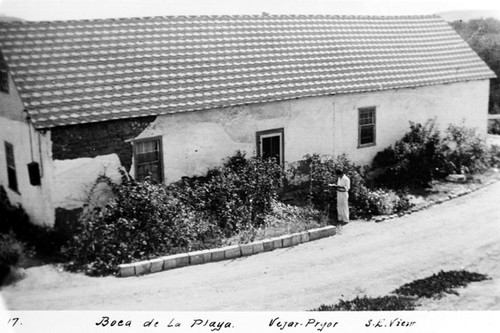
431 203
224 253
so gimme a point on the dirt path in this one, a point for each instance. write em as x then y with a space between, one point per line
366 258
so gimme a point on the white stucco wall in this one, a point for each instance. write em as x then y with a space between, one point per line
196 141
75 178
35 200
193 142
448 103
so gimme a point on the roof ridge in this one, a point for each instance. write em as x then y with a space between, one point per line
264 15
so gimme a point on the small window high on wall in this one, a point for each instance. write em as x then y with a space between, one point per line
271 144
148 159
4 76
366 127
11 166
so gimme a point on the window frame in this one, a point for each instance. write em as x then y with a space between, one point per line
374 125
270 133
4 76
159 139
13 185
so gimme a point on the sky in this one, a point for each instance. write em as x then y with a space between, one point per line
37 10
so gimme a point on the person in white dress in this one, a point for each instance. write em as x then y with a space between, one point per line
343 186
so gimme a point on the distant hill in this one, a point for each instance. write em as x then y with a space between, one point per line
466 15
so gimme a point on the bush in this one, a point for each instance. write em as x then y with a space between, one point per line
41 240
416 159
363 201
465 150
237 195
144 220
10 253
494 156
422 155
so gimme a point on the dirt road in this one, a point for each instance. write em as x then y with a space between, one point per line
366 258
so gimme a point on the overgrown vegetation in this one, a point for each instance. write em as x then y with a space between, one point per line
406 296
423 155
239 201
237 195
313 174
10 253
283 219
146 220
41 240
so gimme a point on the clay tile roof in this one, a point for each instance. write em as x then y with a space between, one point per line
72 72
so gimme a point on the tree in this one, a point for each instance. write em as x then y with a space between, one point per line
483 36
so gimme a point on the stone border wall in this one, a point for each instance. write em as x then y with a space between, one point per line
224 253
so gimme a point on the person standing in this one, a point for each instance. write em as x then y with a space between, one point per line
343 187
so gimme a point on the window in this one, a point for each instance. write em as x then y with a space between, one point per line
4 76
270 144
366 131
148 159
11 166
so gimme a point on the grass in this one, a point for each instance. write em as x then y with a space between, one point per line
284 220
406 296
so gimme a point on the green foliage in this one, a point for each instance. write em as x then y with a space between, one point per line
385 303
440 283
483 36
285 214
237 195
10 250
41 240
422 155
494 156
10 253
320 172
416 159
465 150
146 220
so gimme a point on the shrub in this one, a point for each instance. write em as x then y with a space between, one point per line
416 159
422 155
319 172
10 253
237 195
494 156
144 220
363 201
465 150
283 219
41 240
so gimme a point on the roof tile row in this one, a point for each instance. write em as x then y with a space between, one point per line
86 71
